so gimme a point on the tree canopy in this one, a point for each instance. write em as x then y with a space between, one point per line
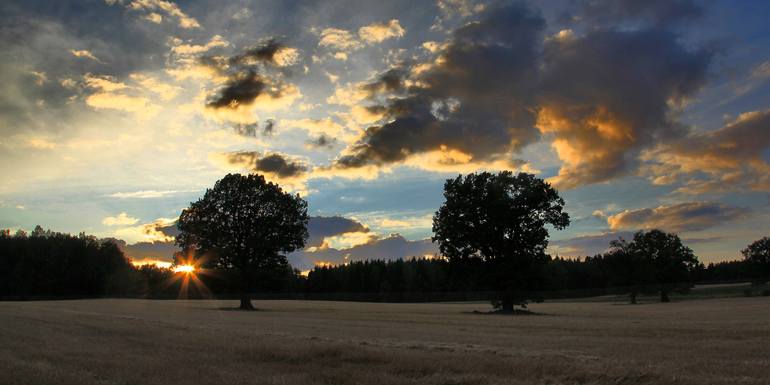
661 258
244 223
500 219
757 254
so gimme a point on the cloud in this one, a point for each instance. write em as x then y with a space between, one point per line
424 221
320 227
193 49
268 52
463 8
251 129
393 246
103 83
251 82
689 216
379 32
121 219
146 194
164 90
276 164
291 174
141 106
730 158
161 230
86 54
153 8
322 141
586 245
608 95
149 253
241 89
325 126
476 98
339 39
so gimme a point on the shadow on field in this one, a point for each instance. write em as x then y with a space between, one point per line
237 309
516 312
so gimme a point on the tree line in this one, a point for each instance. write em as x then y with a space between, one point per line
45 264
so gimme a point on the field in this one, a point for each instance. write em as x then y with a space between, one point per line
126 341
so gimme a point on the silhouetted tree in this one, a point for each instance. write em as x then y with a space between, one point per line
757 255
244 223
670 261
500 219
628 268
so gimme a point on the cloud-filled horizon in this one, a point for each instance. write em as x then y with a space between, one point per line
118 113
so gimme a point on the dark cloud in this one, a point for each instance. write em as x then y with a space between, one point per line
258 71
264 52
168 230
322 227
275 164
391 80
689 216
246 129
607 95
651 12
251 129
241 89
323 141
269 127
477 99
601 97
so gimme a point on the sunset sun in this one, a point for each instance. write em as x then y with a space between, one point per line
187 269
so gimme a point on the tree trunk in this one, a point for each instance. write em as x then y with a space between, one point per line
632 298
246 290
507 305
246 302
664 296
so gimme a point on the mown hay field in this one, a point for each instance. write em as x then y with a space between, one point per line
129 341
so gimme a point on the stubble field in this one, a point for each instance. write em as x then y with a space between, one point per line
126 341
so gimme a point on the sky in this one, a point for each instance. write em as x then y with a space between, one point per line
116 114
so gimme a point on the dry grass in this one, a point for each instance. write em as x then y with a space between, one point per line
719 341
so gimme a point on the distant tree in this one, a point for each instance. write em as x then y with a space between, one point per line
628 268
500 219
244 223
757 255
670 261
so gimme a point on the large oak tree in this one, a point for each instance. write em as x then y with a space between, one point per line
500 219
244 223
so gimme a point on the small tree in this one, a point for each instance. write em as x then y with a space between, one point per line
500 219
244 223
757 255
669 259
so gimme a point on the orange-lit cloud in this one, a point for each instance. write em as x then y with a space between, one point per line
730 158
689 216
378 32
